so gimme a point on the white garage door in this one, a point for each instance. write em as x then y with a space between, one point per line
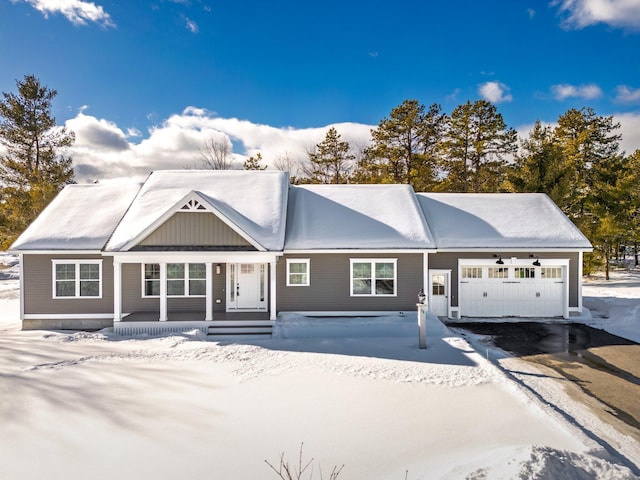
512 291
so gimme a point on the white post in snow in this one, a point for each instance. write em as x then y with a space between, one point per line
422 325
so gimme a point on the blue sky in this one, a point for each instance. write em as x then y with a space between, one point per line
138 76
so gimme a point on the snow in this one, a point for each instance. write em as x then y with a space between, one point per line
256 202
499 221
355 216
358 392
71 221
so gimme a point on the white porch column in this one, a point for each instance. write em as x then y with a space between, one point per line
208 316
272 291
425 277
117 291
580 260
163 292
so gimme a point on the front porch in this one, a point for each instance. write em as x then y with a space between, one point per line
225 324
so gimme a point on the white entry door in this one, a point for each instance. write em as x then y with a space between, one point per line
246 286
439 292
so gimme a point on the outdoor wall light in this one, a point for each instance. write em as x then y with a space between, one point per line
421 296
499 261
537 262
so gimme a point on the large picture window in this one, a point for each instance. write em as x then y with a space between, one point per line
298 272
373 277
77 278
183 280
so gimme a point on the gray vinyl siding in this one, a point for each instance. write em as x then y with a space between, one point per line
329 288
449 261
194 229
38 287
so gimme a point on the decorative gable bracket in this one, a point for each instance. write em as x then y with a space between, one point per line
193 205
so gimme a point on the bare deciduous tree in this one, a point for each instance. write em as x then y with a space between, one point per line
216 154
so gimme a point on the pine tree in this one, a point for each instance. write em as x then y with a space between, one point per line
539 165
35 166
330 160
254 163
590 150
405 147
477 143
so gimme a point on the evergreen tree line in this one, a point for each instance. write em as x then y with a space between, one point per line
578 163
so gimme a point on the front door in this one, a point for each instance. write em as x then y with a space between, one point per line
246 286
439 293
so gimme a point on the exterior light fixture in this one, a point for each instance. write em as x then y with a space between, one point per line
421 297
537 262
499 261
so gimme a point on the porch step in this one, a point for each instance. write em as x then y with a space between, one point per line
259 329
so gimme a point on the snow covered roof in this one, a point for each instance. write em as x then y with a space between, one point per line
500 220
253 202
355 217
77 218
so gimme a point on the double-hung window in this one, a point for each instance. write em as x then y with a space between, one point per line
183 280
298 272
374 277
77 278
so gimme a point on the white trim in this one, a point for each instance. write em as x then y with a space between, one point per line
77 280
506 250
117 291
21 263
56 252
357 251
425 278
65 316
194 257
163 293
208 269
580 266
373 261
347 314
513 261
272 291
306 261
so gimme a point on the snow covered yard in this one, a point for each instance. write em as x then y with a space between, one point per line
100 406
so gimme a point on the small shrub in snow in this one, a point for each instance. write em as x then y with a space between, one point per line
286 471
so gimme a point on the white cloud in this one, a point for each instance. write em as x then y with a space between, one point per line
103 151
531 12
77 12
588 92
495 92
627 94
583 13
191 25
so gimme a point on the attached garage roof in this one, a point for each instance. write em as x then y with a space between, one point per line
322 217
499 221
81 217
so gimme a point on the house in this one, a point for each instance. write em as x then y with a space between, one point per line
225 250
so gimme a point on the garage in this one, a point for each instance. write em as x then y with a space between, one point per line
513 288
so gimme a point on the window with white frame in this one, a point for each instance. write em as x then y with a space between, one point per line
77 278
183 280
298 272
373 277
